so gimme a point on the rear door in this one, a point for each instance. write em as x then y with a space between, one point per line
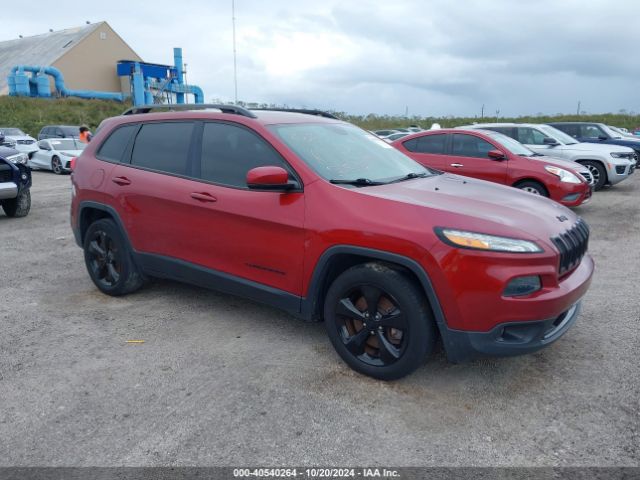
151 189
429 150
469 157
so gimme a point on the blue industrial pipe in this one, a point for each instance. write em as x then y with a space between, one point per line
177 61
20 76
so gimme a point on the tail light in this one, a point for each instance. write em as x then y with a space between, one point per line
73 163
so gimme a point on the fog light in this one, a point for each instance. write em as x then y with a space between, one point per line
522 286
571 198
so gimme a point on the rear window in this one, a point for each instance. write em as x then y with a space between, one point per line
70 131
163 147
115 146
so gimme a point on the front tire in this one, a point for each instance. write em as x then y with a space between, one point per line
56 166
598 173
533 187
379 322
109 260
19 206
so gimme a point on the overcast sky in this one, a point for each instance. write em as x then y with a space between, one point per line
433 57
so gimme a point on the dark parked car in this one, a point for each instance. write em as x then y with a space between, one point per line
59 131
326 221
598 133
15 182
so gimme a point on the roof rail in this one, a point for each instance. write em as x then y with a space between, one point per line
181 107
319 113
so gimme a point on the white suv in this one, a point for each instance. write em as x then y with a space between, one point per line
608 164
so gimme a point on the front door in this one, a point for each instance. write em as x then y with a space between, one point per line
469 157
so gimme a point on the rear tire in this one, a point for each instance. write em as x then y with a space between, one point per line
19 206
56 166
598 173
109 261
533 187
379 322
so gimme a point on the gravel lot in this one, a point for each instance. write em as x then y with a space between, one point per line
223 381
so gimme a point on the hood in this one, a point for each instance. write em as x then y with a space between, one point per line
594 147
558 162
481 206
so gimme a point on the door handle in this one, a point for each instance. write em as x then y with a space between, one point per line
204 197
457 165
121 180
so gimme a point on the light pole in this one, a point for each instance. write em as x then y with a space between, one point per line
235 67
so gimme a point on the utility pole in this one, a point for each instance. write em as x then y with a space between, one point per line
482 111
406 111
235 65
578 111
497 114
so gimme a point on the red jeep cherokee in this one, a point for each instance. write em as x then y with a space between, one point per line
320 218
494 157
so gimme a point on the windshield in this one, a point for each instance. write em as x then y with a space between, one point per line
67 144
614 133
339 151
557 134
12 131
510 144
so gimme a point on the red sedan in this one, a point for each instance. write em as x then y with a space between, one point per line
497 158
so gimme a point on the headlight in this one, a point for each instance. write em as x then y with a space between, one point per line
621 155
481 241
18 158
564 175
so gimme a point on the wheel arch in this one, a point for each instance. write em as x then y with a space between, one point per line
90 212
338 259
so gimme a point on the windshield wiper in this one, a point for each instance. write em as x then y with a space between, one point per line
410 176
360 182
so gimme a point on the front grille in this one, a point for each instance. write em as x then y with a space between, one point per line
25 142
6 176
572 246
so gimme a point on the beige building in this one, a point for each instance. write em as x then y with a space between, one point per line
86 56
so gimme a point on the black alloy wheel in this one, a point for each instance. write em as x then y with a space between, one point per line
108 259
104 259
379 321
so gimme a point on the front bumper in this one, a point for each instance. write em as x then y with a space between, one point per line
8 190
509 339
618 172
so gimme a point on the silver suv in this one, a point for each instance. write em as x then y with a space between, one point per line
608 164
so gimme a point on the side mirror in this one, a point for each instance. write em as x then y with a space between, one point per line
269 178
603 137
552 142
496 155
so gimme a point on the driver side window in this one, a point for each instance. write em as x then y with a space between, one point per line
530 136
591 131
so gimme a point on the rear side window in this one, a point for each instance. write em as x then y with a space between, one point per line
163 147
229 152
572 130
470 146
115 146
431 144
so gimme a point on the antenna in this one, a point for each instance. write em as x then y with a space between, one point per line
235 66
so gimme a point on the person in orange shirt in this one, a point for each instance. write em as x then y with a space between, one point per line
85 135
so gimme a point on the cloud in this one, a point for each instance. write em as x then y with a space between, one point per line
436 58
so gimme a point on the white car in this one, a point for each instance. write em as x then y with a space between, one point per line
608 164
20 140
55 154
